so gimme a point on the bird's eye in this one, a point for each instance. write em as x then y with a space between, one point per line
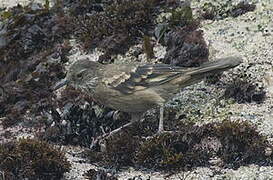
80 74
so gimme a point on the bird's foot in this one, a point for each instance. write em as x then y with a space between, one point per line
159 133
162 131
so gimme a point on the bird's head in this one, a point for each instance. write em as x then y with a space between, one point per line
82 75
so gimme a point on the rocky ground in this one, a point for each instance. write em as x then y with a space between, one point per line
250 36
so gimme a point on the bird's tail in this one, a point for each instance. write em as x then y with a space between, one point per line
195 75
215 66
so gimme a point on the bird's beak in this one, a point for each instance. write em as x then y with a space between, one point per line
60 84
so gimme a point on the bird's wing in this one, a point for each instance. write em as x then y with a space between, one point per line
134 78
131 78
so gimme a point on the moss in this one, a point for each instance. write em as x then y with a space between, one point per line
181 16
117 26
234 143
120 150
32 159
31 30
244 89
242 144
170 151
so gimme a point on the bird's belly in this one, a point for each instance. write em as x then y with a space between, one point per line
139 101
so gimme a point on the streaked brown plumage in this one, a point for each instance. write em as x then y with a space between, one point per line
136 88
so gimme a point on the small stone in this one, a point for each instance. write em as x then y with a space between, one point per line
216 161
268 151
64 123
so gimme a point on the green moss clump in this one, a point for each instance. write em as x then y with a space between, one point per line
32 159
182 16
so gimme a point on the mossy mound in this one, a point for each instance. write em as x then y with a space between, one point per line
32 159
226 144
233 144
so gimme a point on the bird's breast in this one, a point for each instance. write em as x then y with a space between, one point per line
138 101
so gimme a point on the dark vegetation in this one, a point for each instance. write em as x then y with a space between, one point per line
233 144
93 174
243 88
31 159
221 10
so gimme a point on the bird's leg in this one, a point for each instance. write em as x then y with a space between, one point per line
161 123
136 117
161 120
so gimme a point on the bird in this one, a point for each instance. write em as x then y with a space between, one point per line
136 88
